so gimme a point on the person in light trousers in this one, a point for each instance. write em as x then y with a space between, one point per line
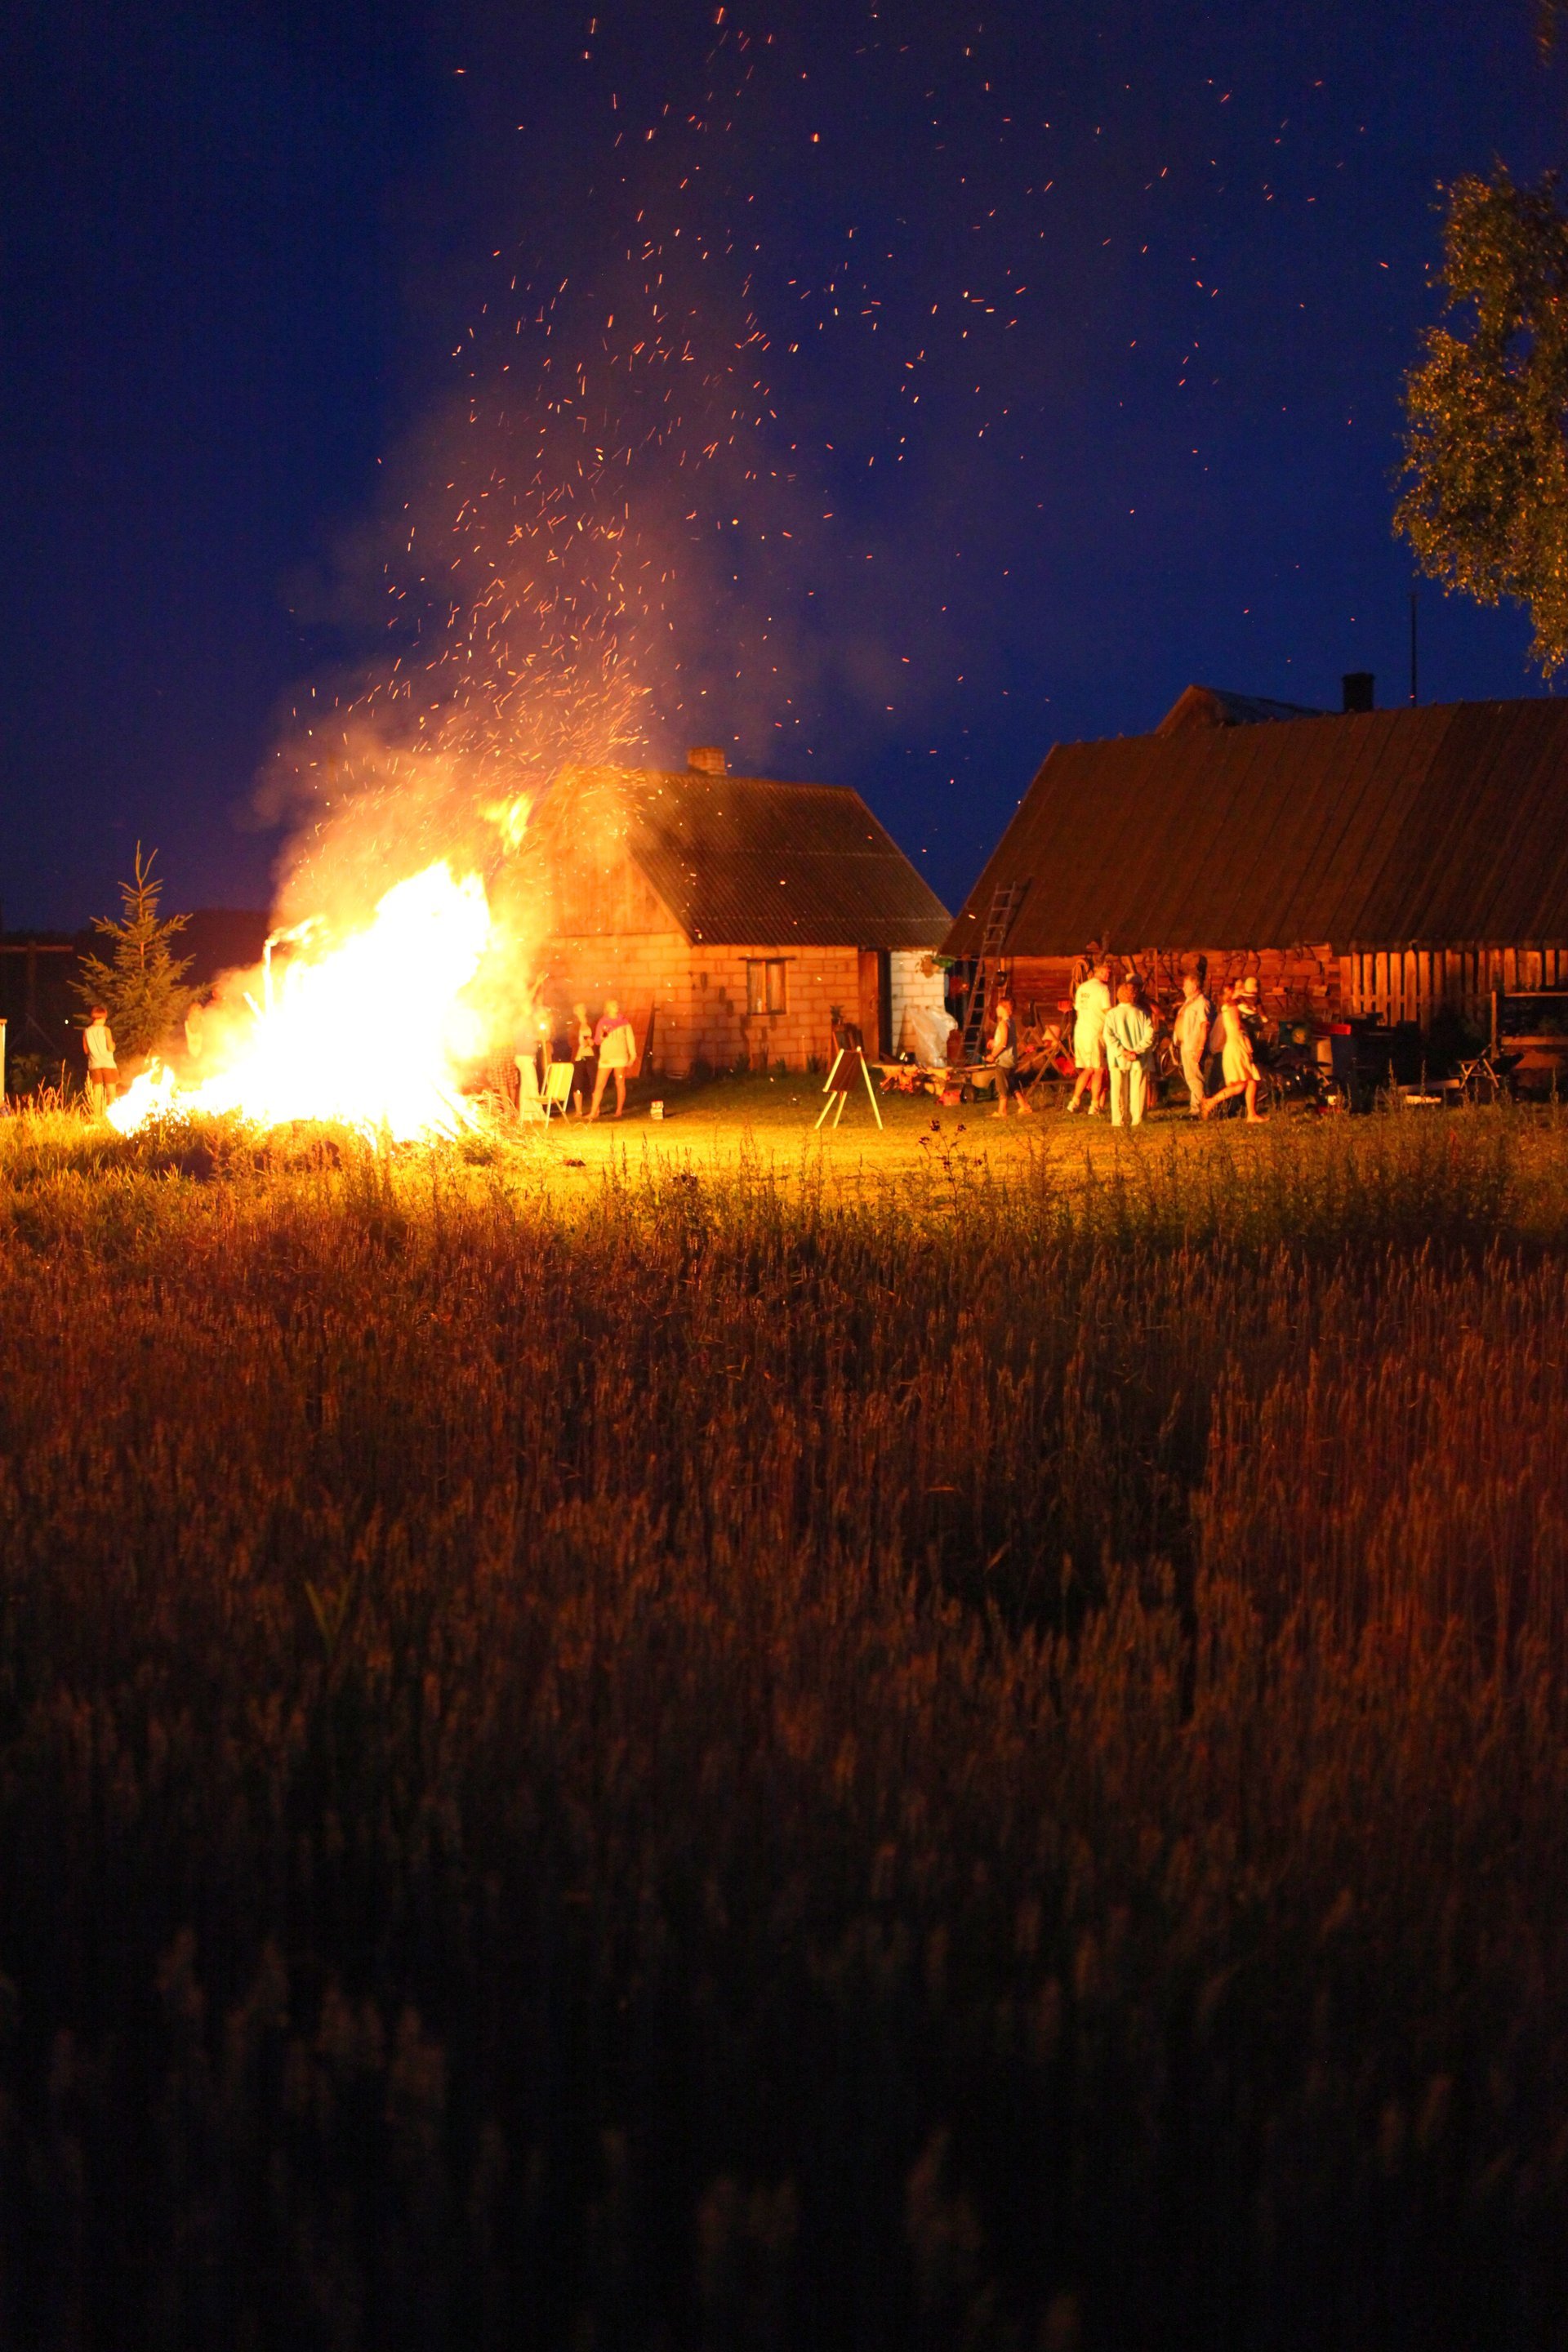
1129 1036
1191 1037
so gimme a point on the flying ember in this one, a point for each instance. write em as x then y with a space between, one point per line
372 1030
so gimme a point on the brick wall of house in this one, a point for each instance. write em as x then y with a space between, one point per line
816 980
694 997
645 971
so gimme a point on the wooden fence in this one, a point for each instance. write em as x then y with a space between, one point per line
1411 984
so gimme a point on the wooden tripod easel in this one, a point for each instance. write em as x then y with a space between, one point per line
843 1092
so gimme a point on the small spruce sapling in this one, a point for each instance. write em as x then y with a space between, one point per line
142 983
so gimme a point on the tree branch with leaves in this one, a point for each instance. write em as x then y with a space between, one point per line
1486 463
142 983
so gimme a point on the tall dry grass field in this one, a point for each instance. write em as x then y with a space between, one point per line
709 1762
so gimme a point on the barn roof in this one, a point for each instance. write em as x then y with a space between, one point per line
1443 826
741 860
1216 705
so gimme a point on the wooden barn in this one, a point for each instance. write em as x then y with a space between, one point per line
1367 861
729 915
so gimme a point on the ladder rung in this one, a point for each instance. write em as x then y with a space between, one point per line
1004 905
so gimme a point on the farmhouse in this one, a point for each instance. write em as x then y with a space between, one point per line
729 914
1384 862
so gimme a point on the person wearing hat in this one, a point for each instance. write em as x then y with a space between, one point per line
1249 1005
1239 1071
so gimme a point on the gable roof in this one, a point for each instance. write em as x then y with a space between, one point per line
741 860
1214 706
1443 826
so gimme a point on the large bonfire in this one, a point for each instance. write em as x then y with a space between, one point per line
403 963
375 1030
520 600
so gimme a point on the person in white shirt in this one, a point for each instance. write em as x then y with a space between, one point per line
1090 1005
1190 1037
616 1041
102 1077
1129 1050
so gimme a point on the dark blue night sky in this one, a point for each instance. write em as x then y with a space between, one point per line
1066 348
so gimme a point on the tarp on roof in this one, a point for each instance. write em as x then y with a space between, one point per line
744 861
1446 826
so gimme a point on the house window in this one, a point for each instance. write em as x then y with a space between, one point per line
766 985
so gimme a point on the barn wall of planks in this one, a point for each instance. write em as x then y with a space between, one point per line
1301 980
1391 986
1414 983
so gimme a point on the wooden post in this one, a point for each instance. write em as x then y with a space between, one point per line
870 1093
827 1090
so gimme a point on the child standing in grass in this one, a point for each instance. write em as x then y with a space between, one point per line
102 1075
1003 1053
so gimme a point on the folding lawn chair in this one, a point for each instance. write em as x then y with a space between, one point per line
557 1093
530 1110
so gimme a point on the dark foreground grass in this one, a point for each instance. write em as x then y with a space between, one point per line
707 1762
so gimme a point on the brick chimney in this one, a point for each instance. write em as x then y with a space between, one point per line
1356 688
706 759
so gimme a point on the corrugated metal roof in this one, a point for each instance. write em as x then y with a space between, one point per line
744 861
1446 826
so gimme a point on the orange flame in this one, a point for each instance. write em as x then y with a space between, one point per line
373 1031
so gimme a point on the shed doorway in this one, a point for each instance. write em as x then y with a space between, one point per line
875 1012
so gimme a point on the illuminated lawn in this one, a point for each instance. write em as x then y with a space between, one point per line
786 1106
663 1754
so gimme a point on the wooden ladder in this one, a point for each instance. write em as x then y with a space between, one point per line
1006 900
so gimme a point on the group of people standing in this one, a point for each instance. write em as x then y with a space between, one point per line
1114 1039
1214 1047
599 1051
